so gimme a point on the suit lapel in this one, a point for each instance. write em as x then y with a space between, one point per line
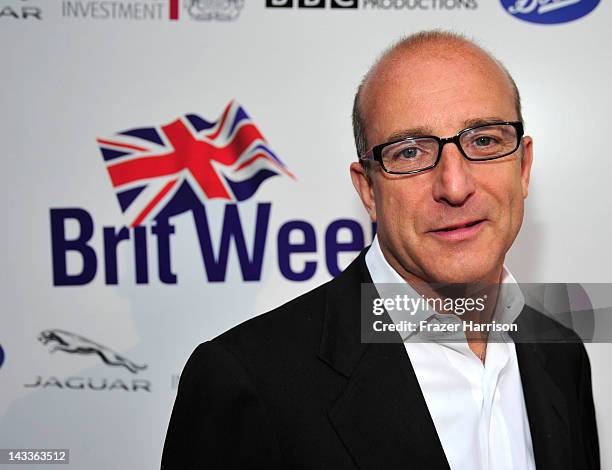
546 406
381 416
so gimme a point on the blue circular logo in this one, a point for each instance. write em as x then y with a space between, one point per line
549 11
1 356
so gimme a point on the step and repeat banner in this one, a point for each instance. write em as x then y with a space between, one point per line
115 267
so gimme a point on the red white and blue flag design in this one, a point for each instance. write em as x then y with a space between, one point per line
227 159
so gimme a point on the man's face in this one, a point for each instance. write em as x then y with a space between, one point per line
440 93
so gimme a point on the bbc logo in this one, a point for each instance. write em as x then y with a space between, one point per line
312 3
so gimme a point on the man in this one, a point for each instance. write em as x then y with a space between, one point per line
298 388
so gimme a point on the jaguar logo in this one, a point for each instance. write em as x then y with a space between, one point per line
61 340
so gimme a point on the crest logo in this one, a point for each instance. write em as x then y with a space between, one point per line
153 168
549 11
207 10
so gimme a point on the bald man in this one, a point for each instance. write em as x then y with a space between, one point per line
443 170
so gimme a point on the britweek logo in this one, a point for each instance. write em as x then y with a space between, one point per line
549 11
160 172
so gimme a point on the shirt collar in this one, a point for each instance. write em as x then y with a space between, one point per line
510 300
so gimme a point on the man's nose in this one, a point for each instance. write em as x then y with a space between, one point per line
454 183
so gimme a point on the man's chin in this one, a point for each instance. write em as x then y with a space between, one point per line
462 273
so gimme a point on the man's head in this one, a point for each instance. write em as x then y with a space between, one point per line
437 83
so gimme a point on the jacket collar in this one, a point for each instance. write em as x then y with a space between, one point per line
547 409
341 345
381 416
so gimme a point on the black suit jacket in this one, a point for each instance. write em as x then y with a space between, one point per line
295 388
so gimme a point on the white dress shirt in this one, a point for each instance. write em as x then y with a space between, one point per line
478 409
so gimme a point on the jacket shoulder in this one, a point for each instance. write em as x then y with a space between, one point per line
292 327
296 327
562 348
534 326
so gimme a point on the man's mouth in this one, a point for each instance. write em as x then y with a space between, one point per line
459 231
459 226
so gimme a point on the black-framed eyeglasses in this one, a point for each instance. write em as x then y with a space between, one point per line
479 143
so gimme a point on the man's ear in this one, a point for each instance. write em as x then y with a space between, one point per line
363 185
526 162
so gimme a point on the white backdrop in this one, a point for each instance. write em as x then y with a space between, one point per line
77 71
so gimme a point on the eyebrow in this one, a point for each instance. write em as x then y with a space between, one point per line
423 131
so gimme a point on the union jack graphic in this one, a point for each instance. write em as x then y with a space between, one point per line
224 159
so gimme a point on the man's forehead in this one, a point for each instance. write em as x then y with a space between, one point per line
431 67
433 80
442 52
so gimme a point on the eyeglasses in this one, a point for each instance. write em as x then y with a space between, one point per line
479 143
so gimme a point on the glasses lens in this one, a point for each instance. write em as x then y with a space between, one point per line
410 155
489 141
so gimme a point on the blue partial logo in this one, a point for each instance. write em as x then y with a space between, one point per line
1 356
549 11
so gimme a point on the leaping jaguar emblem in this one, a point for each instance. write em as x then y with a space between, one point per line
61 340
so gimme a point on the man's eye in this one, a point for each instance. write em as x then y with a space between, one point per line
484 141
408 153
